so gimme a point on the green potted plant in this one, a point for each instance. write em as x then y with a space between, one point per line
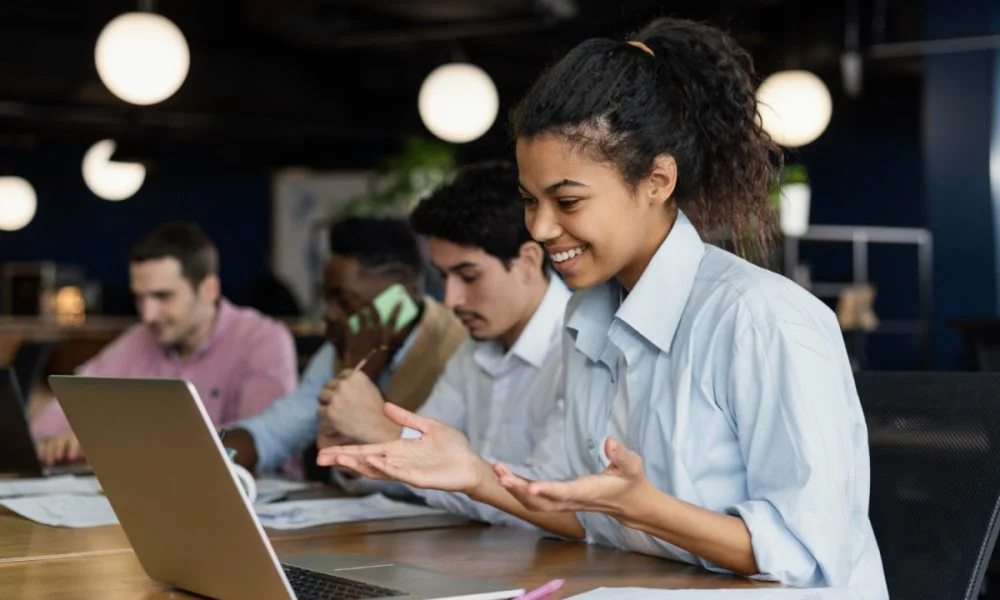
404 179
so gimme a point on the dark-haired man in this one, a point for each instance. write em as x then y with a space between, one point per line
367 255
239 360
501 389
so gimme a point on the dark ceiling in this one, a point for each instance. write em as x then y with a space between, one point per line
333 83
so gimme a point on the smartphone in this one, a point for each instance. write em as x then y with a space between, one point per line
385 303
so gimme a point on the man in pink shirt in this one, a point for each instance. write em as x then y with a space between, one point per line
239 360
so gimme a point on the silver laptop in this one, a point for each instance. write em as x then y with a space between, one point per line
167 476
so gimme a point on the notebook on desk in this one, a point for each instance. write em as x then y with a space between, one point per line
167 476
17 448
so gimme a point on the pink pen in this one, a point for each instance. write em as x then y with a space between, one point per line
543 591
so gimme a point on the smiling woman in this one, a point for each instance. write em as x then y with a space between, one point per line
662 140
711 411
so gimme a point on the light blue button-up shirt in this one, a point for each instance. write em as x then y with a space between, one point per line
741 400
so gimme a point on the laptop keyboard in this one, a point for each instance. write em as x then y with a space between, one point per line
311 585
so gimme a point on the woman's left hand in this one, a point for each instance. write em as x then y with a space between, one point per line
607 492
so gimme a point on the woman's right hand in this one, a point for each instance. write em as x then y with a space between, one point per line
441 458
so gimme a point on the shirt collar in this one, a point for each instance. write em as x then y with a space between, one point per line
535 341
589 316
654 307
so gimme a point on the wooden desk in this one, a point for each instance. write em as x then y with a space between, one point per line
499 553
23 540
521 557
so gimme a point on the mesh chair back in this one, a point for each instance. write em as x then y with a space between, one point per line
934 440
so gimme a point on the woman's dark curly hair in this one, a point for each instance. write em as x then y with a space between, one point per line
693 99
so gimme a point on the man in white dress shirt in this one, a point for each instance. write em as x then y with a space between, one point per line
501 388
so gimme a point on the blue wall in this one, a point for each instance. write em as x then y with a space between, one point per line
74 226
929 171
865 176
960 90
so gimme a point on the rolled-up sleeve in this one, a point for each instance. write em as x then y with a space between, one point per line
288 425
793 414
51 421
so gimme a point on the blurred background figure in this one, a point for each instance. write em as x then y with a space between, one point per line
239 360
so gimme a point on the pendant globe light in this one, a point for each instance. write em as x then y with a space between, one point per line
142 57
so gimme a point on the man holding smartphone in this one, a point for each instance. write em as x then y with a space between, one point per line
374 262
501 389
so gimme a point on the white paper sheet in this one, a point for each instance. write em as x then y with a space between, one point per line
299 514
64 510
278 484
747 594
36 486
72 510
271 489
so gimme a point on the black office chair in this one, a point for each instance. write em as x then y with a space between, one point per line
987 357
934 440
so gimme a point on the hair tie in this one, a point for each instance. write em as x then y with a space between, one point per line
641 46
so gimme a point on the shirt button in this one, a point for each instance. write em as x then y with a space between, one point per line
591 444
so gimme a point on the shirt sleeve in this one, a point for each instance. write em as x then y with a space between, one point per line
50 422
793 404
288 424
271 370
